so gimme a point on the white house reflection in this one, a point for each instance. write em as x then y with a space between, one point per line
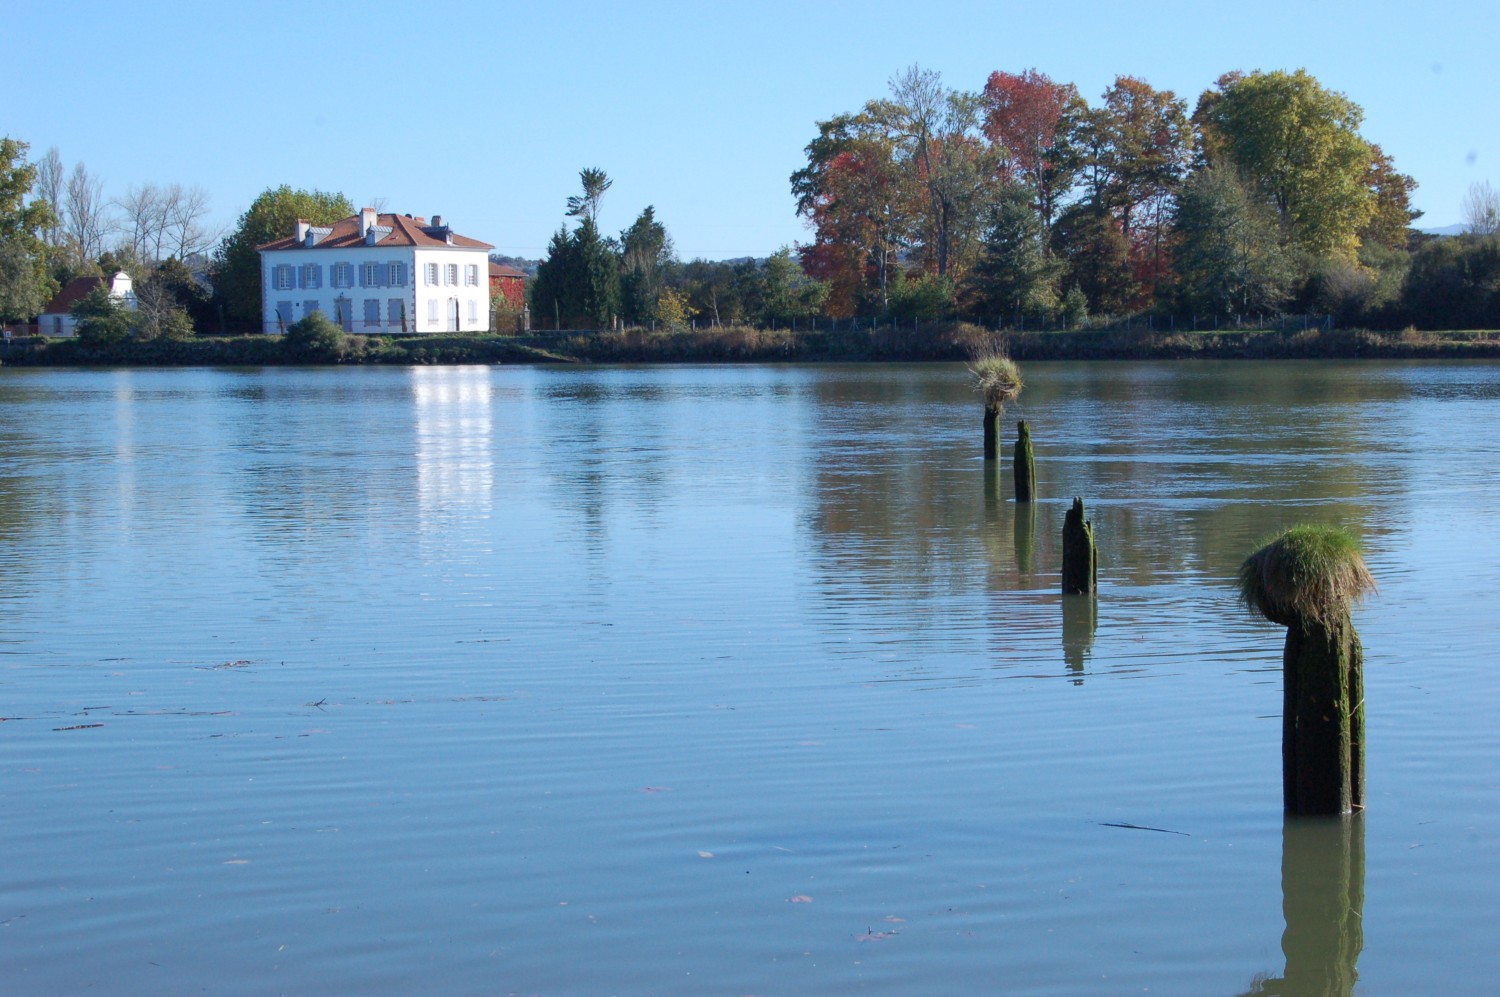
455 466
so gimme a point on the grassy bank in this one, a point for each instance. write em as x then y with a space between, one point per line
939 341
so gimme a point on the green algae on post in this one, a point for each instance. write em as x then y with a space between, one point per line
1080 558
1307 580
1025 464
998 379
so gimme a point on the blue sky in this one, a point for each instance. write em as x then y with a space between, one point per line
485 112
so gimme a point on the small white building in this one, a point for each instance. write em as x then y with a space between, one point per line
377 273
57 318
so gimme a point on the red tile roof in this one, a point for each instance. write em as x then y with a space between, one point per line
506 270
78 288
404 232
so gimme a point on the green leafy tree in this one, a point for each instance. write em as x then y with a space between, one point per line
1455 284
1014 278
1097 256
601 276
273 215
25 285
578 285
1229 255
786 293
595 183
645 260
1298 145
101 318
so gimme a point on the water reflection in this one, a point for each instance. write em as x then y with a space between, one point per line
1025 535
1080 619
455 470
1323 901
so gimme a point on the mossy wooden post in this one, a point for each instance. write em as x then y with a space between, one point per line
998 379
1025 464
1080 559
1306 580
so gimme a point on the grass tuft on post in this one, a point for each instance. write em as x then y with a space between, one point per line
998 379
1025 464
1307 580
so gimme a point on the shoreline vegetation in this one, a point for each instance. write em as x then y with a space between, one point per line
938 341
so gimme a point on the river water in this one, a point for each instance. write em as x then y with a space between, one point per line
730 680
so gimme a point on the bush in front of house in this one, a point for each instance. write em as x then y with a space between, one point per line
316 337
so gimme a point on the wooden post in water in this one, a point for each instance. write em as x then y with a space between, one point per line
1306 580
992 431
1080 559
1025 464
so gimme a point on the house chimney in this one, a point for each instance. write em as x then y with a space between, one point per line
302 226
366 221
437 221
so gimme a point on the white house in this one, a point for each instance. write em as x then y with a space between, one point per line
377 273
57 318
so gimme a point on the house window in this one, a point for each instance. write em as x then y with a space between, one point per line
471 275
343 275
473 312
395 313
394 276
372 274
432 310
311 305
283 315
312 275
283 277
451 275
432 274
372 313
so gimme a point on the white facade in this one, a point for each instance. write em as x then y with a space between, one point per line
359 274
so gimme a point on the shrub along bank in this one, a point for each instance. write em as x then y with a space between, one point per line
738 344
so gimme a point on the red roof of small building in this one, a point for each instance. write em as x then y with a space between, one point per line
78 288
506 270
405 231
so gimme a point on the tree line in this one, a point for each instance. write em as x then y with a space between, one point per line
1023 202
1017 204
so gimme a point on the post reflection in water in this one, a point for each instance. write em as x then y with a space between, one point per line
1323 901
1025 535
455 468
1080 618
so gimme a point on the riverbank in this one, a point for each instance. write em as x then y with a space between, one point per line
936 342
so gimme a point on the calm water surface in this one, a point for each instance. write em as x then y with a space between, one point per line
729 680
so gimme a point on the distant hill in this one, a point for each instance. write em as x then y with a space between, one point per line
519 262
1459 229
